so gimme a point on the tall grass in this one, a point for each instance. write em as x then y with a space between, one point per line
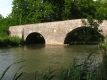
17 74
104 61
84 71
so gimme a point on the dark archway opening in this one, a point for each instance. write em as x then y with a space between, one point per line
35 38
84 35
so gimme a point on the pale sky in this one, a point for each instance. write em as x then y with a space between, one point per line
5 7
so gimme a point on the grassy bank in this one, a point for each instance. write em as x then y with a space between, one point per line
10 41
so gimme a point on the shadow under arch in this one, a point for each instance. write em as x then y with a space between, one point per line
35 38
83 35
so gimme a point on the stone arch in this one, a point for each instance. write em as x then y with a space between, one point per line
35 38
83 35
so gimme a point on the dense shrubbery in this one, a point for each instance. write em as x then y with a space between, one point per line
10 41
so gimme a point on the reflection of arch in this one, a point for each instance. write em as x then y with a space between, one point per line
83 35
35 38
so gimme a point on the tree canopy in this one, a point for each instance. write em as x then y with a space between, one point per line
34 11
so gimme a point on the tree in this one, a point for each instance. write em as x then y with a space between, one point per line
101 11
20 10
32 11
58 7
1 17
36 11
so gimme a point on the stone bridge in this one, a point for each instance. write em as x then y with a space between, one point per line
52 32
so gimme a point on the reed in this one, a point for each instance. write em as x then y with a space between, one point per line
17 73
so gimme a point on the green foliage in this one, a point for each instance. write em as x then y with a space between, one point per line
4 25
92 23
103 66
1 17
34 11
10 41
101 10
15 41
76 9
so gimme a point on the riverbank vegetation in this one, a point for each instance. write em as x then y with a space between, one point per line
10 41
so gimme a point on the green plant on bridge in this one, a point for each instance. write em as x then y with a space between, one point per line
93 23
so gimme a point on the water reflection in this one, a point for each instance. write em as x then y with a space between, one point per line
33 46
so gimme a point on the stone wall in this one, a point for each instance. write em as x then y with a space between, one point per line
53 32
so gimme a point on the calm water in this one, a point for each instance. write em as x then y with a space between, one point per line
41 58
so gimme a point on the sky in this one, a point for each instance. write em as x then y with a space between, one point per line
5 7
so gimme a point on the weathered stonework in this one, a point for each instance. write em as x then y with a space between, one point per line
53 32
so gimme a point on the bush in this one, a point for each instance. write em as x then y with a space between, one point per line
10 41
15 41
